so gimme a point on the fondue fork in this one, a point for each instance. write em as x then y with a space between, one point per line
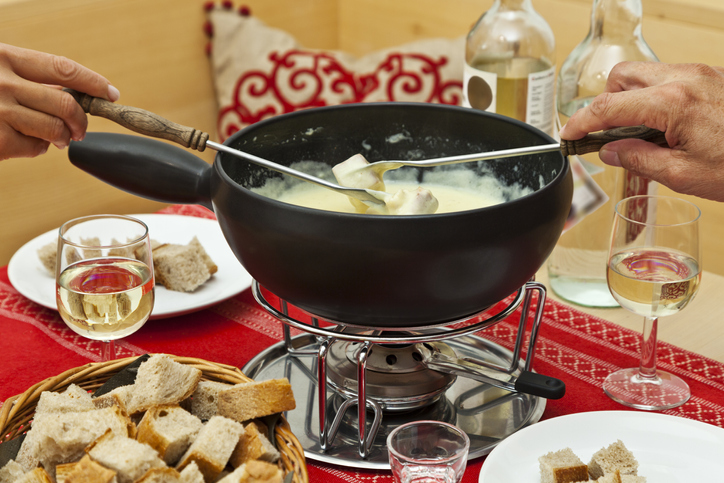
591 143
150 124
369 197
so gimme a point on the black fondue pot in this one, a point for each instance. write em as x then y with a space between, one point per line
366 270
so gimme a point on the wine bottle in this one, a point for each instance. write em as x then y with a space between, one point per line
510 64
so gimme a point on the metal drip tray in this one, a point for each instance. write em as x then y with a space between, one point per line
487 414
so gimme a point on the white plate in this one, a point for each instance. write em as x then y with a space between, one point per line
668 448
31 279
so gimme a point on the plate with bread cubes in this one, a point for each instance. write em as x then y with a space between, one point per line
156 419
609 447
193 265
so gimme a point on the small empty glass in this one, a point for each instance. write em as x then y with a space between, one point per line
428 452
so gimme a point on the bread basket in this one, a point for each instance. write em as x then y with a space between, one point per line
17 411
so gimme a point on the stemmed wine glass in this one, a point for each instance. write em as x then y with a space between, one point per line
104 277
654 269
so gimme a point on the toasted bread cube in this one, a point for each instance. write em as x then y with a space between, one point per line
161 380
212 447
614 457
127 457
11 472
38 475
160 475
253 445
169 430
192 474
562 466
254 471
252 400
84 471
205 399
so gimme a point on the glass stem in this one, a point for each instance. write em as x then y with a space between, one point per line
108 350
647 369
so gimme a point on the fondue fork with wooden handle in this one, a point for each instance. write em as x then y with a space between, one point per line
150 124
591 143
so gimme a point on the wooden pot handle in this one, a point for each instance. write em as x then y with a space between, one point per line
141 121
593 143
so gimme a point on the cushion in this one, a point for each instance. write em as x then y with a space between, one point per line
260 71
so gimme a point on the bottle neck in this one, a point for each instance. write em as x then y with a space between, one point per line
513 5
616 19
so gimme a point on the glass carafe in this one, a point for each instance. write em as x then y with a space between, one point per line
577 267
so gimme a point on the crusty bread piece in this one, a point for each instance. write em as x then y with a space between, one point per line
213 446
84 471
127 457
160 475
195 243
253 445
61 438
613 477
38 475
123 252
562 466
179 267
614 457
251 400
119 396
192 474
74 399
47 255
632 479
254 472
11 472
161 380
204 400
93 241
169 430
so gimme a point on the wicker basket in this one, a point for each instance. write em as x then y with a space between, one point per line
17 411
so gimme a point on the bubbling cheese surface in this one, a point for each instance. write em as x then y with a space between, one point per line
450 198
456 188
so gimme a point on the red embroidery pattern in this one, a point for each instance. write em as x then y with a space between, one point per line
299 79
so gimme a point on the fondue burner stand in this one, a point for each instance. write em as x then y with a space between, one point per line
381 378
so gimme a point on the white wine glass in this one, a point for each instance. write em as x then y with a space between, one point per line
104 277
654 270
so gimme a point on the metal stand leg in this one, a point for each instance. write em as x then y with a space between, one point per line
322 393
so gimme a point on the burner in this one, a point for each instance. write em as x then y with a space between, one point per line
354 385
440 410
396 378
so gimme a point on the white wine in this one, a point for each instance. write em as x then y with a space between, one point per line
105 299
653 282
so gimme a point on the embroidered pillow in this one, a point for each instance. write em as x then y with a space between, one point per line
261 71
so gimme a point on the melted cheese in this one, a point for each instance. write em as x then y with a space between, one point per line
450 198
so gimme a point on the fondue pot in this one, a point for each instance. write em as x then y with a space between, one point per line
363 270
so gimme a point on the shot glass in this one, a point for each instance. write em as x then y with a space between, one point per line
428 451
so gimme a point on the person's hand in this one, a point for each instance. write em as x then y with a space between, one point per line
34 111
686 101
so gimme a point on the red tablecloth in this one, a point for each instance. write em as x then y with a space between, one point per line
577 348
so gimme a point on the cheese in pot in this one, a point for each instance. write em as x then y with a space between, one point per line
449 198
456 188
